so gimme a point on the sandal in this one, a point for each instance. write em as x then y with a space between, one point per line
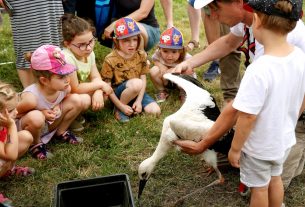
194 43
69 137
40 152
120 116
161 96
19 171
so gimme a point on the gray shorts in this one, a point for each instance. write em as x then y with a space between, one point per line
257 173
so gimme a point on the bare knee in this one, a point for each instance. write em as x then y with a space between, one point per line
33 120
85 100
135 85
153 109
25 137
74 101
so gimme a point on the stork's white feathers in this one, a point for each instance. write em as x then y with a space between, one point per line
189 122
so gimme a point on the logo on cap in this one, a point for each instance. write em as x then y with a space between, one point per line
171 38
51 58
126 27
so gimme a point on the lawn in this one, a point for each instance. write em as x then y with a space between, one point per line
113 148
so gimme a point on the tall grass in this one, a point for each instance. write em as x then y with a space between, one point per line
111 148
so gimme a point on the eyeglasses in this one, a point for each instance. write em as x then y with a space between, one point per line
84 46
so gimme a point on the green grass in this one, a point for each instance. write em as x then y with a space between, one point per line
112 148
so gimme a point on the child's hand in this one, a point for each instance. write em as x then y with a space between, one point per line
137 107
234 157
107 89
97 100
5 119
49 114
126 109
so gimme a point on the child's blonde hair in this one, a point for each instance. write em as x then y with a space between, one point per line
7 93
276 23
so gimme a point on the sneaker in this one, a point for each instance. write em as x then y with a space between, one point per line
212 72
19 171
4 201
161 96
69 137
243 190
76 126
120 116
40 151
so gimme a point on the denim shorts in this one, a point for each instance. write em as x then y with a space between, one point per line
257 173
153 36
146 98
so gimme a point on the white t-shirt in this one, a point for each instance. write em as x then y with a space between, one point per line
272 88
295 37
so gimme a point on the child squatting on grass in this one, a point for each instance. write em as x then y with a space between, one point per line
170 53
270 100
13 143
79 41
47 108
125 68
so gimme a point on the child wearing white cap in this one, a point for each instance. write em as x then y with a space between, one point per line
47 108
125 68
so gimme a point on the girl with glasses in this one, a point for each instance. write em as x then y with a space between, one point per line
78 41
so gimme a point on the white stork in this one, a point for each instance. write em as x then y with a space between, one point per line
192 121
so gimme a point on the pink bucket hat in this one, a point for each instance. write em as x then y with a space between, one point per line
51 58
126 27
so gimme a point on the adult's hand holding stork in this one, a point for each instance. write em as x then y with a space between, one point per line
191 147
185 67
222 125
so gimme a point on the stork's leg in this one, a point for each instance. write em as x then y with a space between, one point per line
209 171
216 182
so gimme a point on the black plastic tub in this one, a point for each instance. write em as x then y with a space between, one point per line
105 191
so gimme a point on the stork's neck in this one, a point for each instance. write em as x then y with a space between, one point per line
163 147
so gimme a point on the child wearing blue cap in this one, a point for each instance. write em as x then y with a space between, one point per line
125 68
169 53
269 102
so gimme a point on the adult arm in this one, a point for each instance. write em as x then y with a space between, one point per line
222 125
217 49
137 15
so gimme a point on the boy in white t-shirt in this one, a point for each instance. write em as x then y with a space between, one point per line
269 101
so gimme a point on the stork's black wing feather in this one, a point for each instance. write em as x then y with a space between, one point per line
223 145
211 113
